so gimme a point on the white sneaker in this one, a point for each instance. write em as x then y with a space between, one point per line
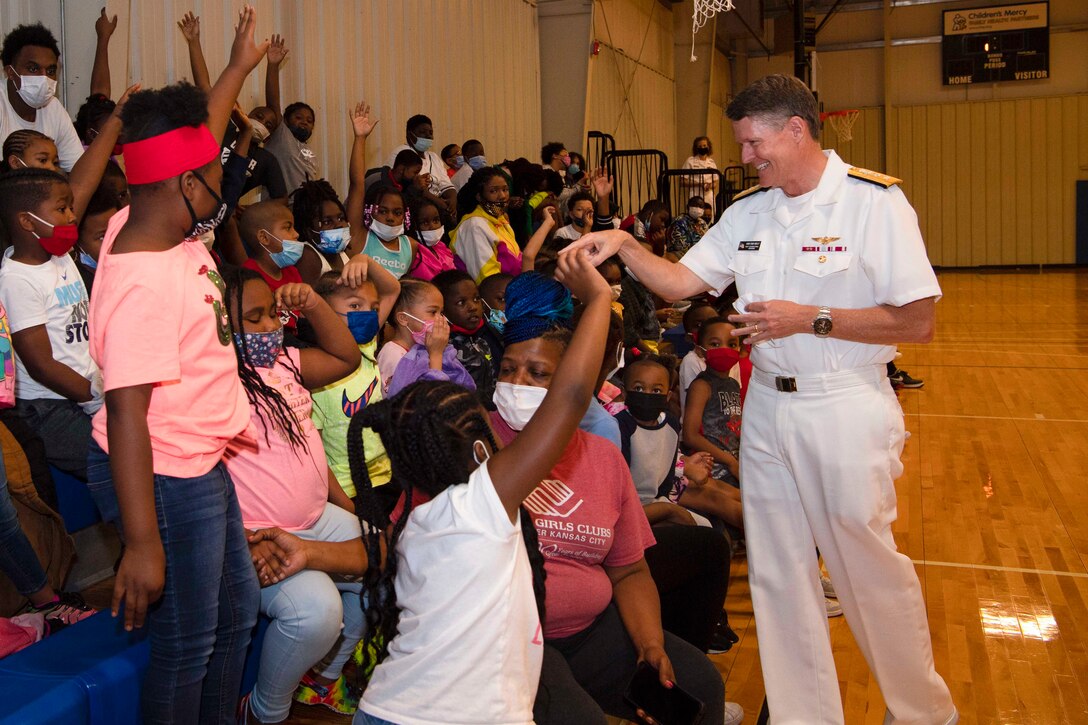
834 609
829 588
734 714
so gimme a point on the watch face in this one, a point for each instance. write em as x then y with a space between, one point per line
821 326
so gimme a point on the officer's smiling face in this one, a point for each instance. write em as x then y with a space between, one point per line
774 151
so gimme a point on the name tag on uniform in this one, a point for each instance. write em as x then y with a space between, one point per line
749 246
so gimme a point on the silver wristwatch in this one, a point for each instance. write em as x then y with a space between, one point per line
821 326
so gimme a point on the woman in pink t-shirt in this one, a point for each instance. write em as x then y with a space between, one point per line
285 482
604 614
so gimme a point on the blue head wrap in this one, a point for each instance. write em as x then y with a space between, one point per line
534 305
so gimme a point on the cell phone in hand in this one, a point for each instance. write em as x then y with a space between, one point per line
666 706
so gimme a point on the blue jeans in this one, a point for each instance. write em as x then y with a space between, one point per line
64 429
17 557
317 620
200 628
362 718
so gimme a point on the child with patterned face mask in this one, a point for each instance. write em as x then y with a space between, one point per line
420 348
285 482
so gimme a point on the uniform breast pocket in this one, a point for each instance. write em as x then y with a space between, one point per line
823 265
751 271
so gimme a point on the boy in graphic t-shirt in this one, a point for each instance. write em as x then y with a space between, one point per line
58 385
288 142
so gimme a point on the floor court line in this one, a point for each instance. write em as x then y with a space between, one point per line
997 417
991 567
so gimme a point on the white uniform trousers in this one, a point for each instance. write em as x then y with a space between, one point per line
818 466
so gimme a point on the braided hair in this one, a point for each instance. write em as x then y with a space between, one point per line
263 398
374 198
429 430
535 303
17 143
306 203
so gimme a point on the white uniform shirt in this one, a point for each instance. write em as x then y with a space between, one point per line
468 647
52 120
432 164
853 245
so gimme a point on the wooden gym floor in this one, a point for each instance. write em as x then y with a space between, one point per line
993 508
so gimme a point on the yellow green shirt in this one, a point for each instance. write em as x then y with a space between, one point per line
333 407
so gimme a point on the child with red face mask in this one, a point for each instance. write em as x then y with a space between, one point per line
714 399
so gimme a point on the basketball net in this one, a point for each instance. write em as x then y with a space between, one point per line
704 11
843 123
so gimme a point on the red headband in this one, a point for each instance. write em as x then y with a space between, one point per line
169 154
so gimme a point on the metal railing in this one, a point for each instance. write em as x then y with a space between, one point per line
598 144
635 173
676 186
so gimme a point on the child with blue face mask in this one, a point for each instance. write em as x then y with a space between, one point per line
364 297
269 235
284 482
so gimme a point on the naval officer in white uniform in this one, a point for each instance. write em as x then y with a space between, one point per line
832 273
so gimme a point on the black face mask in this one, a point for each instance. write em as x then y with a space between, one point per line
203 225
646 406
302 134
702 151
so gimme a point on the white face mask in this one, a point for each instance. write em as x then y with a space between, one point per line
431 236
36 91
517 403
619 361
260 131
617 290
385 232
695 212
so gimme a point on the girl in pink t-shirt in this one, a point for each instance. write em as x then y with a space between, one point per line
173 403
432 254
285 482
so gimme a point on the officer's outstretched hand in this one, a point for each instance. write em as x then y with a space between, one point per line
600 245
772 320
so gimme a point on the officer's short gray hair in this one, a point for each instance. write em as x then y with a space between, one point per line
775 99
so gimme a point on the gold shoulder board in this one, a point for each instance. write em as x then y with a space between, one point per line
749 191
873 177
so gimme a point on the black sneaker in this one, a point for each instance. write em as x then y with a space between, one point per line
901 379
723 637
68 608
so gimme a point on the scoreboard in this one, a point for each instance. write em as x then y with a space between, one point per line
997 43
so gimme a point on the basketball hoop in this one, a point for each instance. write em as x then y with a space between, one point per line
704 11
843 123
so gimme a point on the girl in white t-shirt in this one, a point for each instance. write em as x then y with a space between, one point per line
452 619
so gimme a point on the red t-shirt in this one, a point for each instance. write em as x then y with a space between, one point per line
288 275
588 516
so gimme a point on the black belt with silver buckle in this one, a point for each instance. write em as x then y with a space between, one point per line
786 385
